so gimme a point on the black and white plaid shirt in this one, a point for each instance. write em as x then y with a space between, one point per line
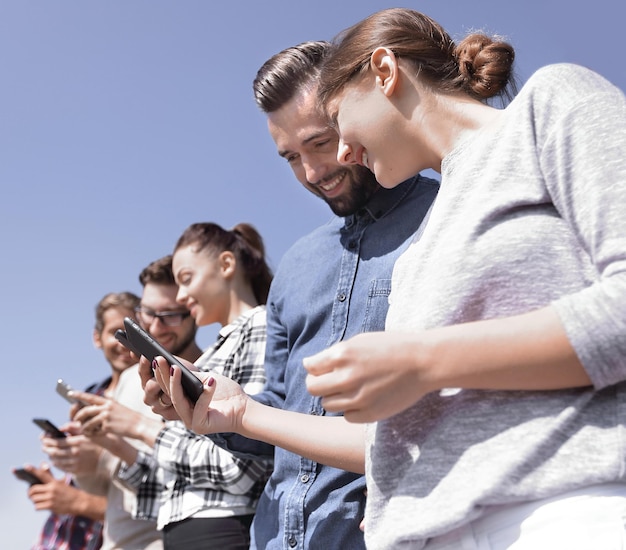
187 474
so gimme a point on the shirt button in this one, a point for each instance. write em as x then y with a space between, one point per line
292 541
341 297
304 478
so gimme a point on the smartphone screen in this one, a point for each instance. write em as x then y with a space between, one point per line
147 346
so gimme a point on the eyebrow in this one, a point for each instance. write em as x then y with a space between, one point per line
308 140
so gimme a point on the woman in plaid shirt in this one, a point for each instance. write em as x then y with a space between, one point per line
202 496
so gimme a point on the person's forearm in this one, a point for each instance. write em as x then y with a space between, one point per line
119 447
90 506
525 352
147 429
329 440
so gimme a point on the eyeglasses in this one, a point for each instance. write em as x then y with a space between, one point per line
168 318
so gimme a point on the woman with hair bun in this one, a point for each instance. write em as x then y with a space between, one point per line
210 496
496 396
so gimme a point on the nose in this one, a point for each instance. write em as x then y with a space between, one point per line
345 155
314 169
181 296
155 326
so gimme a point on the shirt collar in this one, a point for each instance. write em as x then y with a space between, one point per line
383 201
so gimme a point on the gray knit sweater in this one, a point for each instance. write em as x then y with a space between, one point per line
532 215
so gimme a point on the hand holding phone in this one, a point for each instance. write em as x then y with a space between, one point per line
25 475
63 389
141 343
49 428
121 337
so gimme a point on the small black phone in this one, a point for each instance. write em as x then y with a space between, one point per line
25 475
141 343
49 428
121 337
63 389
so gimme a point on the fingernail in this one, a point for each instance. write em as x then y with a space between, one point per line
154 364
210 381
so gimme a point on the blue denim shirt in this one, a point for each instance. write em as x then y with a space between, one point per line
331 285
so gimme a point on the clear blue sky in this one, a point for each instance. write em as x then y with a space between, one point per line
122 122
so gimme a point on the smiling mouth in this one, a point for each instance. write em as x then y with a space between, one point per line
329 186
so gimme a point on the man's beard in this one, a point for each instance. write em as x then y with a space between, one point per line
181 346
363 185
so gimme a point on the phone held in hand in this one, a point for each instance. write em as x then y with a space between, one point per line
141 343
121 337
49 428
63 389
25 475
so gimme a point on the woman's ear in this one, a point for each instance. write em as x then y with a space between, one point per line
228 263
384 65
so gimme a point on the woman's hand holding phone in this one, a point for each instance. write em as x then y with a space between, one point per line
220 408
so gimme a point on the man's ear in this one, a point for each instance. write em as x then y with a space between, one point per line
384 65
97 340
228 263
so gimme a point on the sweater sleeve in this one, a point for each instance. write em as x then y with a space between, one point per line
585 160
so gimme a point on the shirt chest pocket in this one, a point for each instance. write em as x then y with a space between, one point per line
376 305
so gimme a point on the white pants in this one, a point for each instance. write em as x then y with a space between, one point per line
592 518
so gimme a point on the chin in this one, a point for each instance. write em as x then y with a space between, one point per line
390 183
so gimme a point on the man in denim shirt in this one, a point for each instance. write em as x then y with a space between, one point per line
332 284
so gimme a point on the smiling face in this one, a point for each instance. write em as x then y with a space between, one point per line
203 283
378 118
304 139
160 298
115 353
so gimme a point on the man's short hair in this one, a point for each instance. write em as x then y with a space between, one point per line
158 272
113 300
287 72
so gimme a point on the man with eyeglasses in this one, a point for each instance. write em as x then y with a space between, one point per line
165 488
109 421
165 319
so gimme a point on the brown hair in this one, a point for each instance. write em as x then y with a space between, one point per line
479 65
287 72
244 241
158 272
112 300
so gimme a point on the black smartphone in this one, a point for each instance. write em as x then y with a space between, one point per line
141 343
63 389
121 337
25 475
49 428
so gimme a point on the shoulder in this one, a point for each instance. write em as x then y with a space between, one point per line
133 370
251 321
257 317
99 387
565 95
568 80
